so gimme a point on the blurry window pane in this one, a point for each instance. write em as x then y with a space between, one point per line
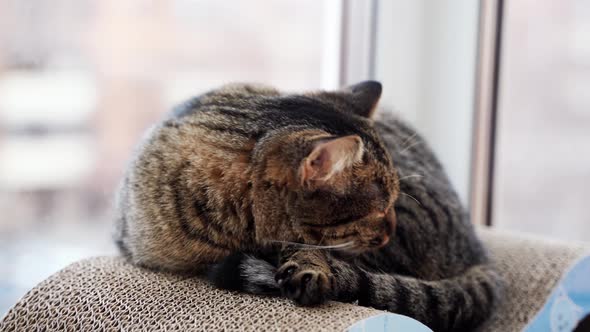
543 148
81 80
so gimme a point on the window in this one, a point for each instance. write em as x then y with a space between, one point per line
543 130
80 81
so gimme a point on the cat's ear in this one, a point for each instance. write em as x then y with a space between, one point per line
365 96
329 157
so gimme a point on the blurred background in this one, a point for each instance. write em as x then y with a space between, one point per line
81 80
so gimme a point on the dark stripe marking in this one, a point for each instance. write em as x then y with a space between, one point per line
433 313
366 289
185 225
202 212
457 305
336 223
402 299
231 113
489 292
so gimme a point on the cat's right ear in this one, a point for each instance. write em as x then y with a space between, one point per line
365 96
329 157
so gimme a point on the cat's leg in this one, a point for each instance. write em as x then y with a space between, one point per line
246 272
460 303
304 276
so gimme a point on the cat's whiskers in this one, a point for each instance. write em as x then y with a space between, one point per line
411 176
408 139
412 197
344 245
411 145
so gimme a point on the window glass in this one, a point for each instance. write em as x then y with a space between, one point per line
543 145
81 80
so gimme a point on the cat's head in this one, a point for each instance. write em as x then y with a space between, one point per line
327 179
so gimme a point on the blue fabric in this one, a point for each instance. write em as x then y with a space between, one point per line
568 303
388 323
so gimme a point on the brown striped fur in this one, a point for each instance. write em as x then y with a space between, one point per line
228 174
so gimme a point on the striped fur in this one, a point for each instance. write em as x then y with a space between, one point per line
215 185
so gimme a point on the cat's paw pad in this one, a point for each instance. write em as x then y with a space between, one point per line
302 285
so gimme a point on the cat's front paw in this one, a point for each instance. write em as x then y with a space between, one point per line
304 285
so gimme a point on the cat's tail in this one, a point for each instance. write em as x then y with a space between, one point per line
246 273
460 303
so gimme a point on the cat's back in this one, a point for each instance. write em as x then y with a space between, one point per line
243 97
432 221
199 153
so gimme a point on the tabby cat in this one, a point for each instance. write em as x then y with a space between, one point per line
308 196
